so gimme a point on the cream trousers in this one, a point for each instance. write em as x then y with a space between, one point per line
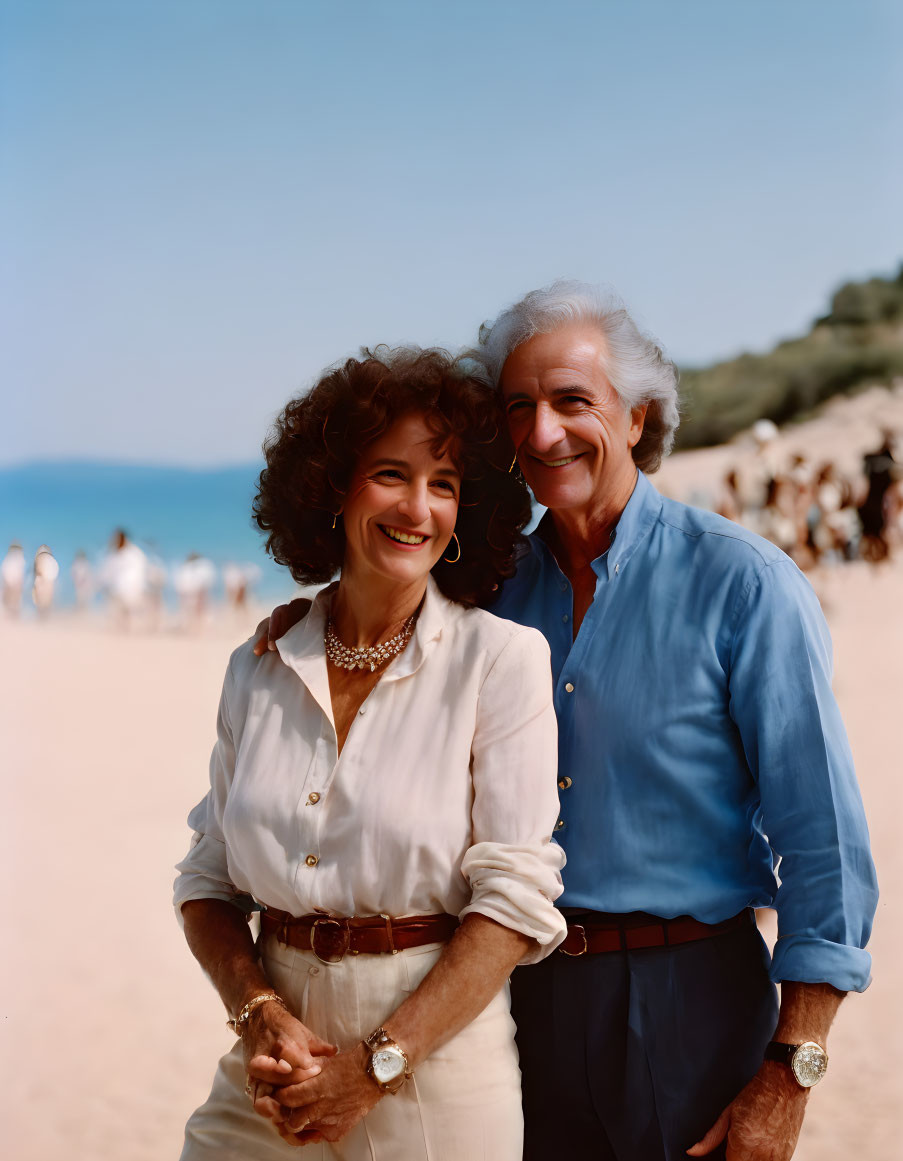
463 1104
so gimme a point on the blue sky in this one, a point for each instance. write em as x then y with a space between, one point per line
203 202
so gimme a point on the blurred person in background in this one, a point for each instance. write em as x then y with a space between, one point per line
193 581
83 582
46 571
760 470
777 520
802 480
881 471
384 787
729 504
12 578
124 576
238 582
893 511
157 580
836 528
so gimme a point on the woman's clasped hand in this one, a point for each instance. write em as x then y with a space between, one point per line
327 1105
282 1056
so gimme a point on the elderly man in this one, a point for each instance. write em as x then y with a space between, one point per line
700 743
700 746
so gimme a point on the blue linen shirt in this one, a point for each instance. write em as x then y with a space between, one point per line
699 739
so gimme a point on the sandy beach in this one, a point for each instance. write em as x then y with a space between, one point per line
111 1032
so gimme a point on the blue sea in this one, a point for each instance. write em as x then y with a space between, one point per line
168 511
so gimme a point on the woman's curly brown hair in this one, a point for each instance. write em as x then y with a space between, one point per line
317 440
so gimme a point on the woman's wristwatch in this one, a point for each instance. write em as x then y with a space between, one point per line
808 1062
388 1066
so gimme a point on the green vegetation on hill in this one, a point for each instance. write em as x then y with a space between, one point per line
859 342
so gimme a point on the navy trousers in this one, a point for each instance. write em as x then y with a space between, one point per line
631 1056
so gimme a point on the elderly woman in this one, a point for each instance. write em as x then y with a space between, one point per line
383 790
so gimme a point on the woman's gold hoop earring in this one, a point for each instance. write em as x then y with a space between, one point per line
513 464
454 560
335 517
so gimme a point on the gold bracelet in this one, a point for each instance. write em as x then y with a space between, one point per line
237 1024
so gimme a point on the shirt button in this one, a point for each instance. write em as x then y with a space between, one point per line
565 618
564 586
565 783
313 798
311 860
617 569
362 710
569 688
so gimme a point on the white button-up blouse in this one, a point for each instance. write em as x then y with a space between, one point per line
443 798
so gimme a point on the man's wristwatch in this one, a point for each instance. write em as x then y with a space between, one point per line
808 1062
388 1065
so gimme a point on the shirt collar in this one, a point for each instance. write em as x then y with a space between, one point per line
437 610
636 521
640 514
302 647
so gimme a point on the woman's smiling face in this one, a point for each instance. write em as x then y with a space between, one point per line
402 504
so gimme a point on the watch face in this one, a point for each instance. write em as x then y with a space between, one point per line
388 1063
809 1064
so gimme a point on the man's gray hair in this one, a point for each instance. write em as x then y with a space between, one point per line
636 366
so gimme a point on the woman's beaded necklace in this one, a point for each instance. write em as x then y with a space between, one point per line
367 656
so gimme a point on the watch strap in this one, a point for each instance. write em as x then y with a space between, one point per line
780 1052
808 1061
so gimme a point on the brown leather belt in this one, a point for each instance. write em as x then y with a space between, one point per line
332 937
600 933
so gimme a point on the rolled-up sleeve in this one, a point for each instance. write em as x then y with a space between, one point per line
797 750
204 872
513 867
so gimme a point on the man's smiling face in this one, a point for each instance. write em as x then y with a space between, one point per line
572 433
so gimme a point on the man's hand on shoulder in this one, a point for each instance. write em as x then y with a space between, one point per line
763 1122
278 623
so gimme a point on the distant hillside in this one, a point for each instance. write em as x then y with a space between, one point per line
860 341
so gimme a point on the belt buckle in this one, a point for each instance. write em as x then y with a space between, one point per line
336 937
583 950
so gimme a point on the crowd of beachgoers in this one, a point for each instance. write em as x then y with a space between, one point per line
813 509
132 584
